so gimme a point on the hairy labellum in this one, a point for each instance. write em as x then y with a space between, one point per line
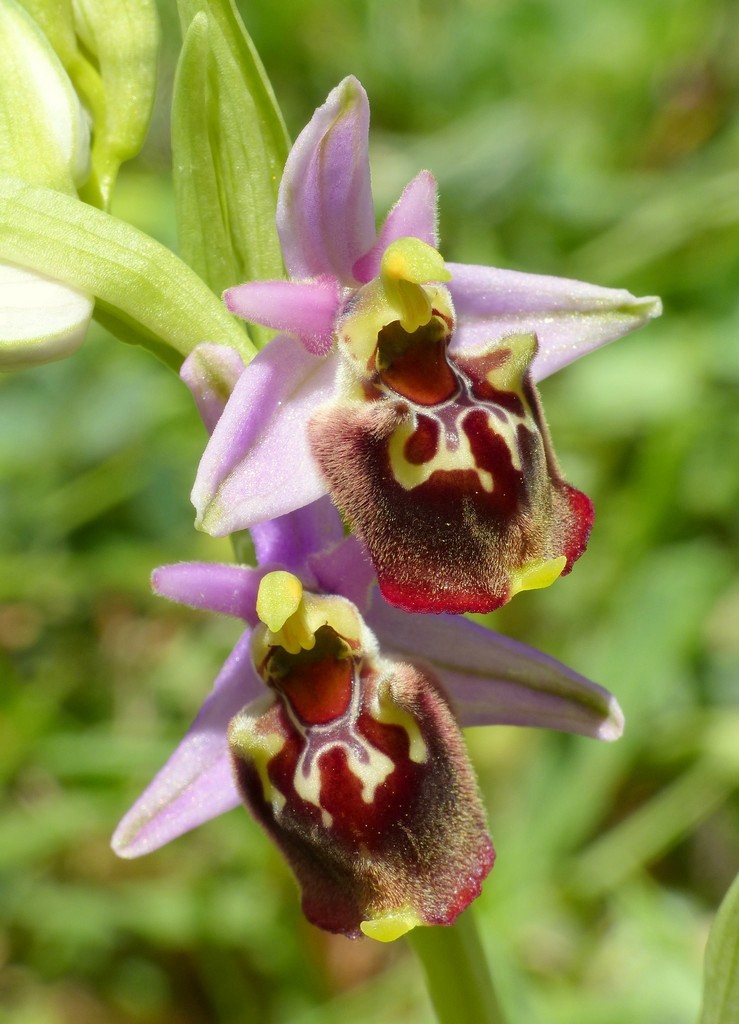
444 465
356 768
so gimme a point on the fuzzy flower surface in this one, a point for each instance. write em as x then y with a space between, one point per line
404 386
336 720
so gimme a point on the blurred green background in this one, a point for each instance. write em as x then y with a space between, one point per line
596 141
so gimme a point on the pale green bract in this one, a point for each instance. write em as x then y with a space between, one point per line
123 37
144 293
229 146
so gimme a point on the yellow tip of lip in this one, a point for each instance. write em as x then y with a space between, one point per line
537 575
390 927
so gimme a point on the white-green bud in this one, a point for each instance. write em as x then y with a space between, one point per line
44 140
44 131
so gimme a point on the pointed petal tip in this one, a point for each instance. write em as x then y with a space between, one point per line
642 308
349 89
325 216
651 306
154 581
613 726
230 299
160 577
210 518
126 842
121 850
210 515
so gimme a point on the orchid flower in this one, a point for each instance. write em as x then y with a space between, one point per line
404 387
336 720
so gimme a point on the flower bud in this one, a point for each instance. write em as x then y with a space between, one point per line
45 140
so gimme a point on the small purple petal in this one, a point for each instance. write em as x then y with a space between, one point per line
325 217
307 309
290 540
258 463
493 680
196 784
211 372
230 589
570 318
413 216
347 570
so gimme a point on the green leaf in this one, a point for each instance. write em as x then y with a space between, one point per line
721 973
135 280
269 118
203 231
227 157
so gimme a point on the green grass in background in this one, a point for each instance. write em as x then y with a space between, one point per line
596 141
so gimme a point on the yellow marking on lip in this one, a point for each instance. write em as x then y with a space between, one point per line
509 375
389 713
258 749
371 774
410 475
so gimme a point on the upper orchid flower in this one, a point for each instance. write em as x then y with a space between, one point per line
336 720
405 387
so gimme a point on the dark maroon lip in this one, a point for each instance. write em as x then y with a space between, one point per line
451 537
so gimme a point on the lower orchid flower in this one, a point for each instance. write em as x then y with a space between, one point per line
336 721
405 387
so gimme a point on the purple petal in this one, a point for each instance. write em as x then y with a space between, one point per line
196 784
290 540
258 464
347 570
493 680
570 318
413 216
230 589
307 309
324 212
211 372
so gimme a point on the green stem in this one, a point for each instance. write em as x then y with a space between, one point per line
457 973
